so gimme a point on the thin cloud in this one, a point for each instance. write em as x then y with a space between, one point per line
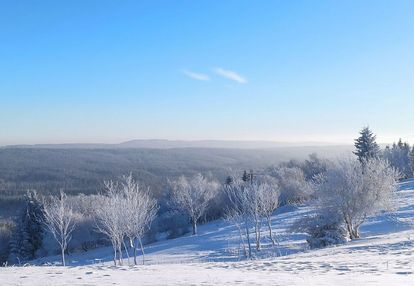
196 76
231 75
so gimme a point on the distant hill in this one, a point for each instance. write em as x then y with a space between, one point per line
170 144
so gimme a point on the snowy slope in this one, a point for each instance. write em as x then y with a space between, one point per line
383 256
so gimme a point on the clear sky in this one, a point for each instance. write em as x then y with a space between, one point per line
109 71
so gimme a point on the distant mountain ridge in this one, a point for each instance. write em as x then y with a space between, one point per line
172 144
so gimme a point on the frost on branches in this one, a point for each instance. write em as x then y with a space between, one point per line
252 202
59 219
193 196
348 193
125 211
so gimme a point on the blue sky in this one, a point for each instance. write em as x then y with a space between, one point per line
109 71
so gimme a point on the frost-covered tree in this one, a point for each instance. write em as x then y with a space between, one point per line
269 193
59 219
257 190
28 233
6 227
110 219
353 191
264 199
366 146
139 211
250 204
399 156
236 218
293 184
126 210
411 157
313 166
193 196
241 211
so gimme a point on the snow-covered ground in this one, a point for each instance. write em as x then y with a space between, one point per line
384 255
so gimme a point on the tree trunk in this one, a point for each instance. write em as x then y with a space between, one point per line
126 250
142 250
274 240
248 238
63 256
242 242
257 230
114 247
194 227
269 225
349 227
121 262
354 233
134 245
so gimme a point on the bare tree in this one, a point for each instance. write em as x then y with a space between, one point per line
241 210
268 202
193 196
354 191
59 219
250 203
140 210
110 218
235 218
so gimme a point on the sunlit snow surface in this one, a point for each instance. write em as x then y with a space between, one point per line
383 256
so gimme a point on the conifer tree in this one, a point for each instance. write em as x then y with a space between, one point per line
366 145
28 233
229 180
411 157
245 176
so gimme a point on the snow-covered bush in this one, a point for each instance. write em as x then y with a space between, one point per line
293 184
322 230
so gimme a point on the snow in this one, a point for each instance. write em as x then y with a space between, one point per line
383 256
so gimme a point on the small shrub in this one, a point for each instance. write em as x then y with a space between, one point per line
322 231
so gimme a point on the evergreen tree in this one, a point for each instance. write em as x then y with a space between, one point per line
229 180
251 176
366 146
411 159
28 234
245 176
